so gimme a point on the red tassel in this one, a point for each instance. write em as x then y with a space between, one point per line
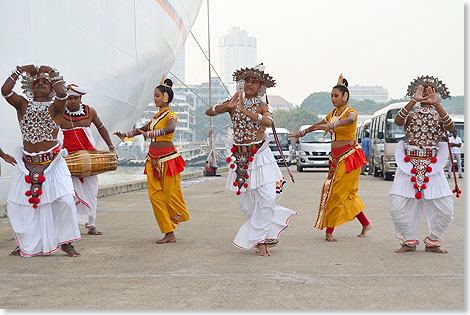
429 169
28 193
229 159
35 206
423 186
434 160
246 167
235 183
233 149
418 195
27 179
415 186
247 176
407 159
31 200
413 179
39 192
413 171
232 165
426 179
460 191
250 159
254 150
36 200
238 193
245 185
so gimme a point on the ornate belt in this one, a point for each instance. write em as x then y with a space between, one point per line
241 156
421 152
41 158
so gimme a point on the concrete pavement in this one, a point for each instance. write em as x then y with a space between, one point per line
125 268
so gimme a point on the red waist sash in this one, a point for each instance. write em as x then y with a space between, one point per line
170 156
76 139
353 161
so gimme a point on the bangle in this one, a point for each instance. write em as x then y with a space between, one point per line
60 81
445 117
102 125
449 123
8 95
413 99
56 78
213 109
302 133
62 98
14 80
260 117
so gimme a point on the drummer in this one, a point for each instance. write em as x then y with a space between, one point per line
77 136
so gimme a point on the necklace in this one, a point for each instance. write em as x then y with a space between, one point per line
81 113
248 102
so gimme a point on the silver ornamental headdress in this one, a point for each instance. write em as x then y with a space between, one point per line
28 81
257 72
426 81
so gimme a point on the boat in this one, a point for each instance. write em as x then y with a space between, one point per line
116 50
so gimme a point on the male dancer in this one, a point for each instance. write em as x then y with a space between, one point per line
77 136
40 202
254 174
420 186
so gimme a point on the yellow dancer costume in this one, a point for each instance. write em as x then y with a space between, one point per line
163 168
339 201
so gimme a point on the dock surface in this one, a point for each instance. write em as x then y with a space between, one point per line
126 269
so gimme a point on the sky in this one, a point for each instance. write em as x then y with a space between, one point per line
306 44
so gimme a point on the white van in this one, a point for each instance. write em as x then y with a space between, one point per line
313 149
287 149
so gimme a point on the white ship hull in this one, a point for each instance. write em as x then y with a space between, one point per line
117 50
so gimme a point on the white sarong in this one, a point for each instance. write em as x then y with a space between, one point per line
86 199
40 231
266 219
436 204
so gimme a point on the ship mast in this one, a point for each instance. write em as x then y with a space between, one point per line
211 120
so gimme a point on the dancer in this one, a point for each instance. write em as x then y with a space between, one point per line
254 174
339 201
77 136
164 164
40 203
420 186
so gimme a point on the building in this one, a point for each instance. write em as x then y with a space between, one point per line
278 102
178 67
237 50
219 93
376 93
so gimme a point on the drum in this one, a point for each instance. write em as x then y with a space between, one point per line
86 163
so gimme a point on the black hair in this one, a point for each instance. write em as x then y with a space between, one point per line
343 88
166 89
366 134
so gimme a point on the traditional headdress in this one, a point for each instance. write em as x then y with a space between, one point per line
257 72
74 89
340 80
29 80
426 81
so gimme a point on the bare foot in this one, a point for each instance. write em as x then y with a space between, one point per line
262 249
94 231
405 248
435 250
69 250
329 237
15 252
168 238
364 230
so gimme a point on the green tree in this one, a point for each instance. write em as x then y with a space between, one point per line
318 102
293 119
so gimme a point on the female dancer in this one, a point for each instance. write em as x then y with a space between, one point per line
164 164
339 201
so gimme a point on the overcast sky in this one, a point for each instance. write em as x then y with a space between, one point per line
306 44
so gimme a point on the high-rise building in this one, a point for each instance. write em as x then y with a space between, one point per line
376 93
237 50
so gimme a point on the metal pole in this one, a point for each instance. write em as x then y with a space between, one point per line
211 134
